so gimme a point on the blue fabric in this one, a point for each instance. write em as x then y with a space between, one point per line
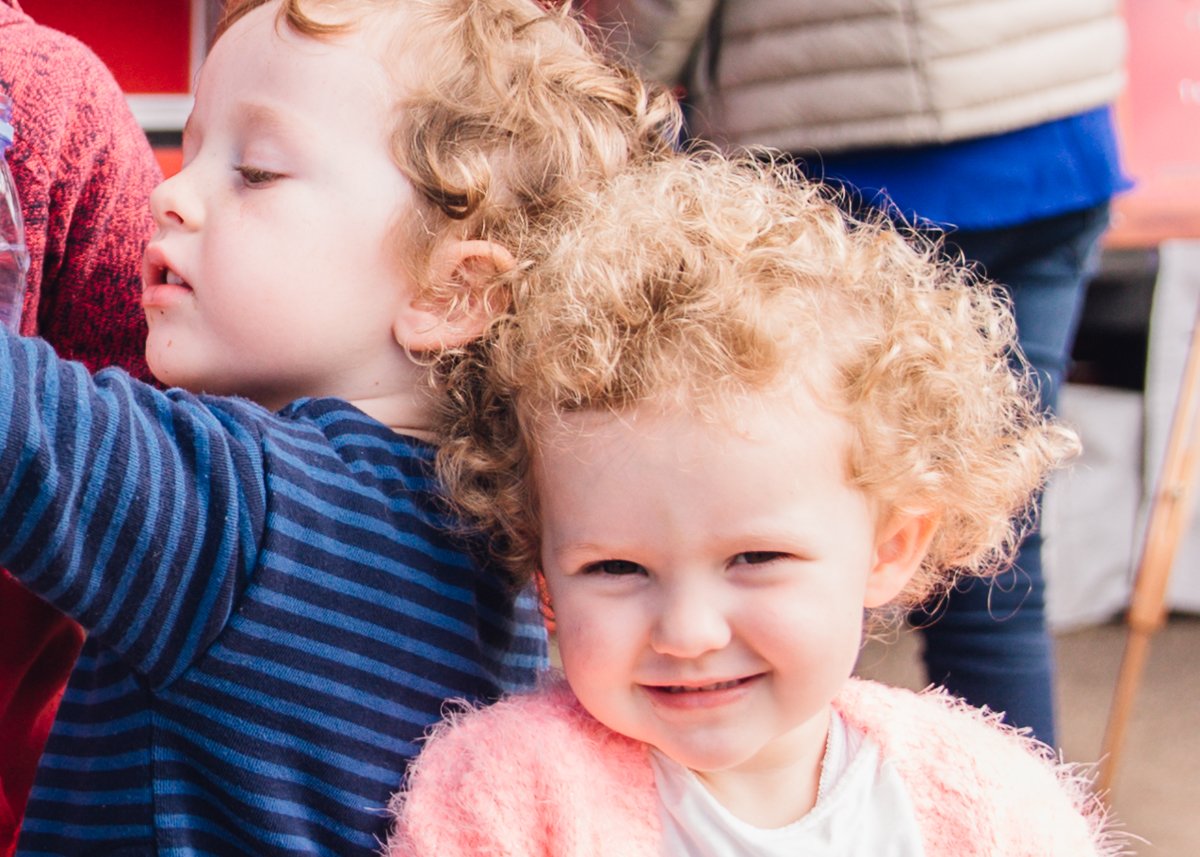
277 609
989 182
988 642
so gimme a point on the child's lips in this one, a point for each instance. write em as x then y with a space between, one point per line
703 688
166 293
162 287
706 694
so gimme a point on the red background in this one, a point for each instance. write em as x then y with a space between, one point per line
146 43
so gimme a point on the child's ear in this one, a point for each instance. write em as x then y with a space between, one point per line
901 544
463 271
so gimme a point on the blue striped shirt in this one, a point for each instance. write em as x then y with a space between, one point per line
276 611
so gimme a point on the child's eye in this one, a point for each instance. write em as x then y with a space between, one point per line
756 557
615 567
255 176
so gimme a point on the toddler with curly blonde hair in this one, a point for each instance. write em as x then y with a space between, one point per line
723 422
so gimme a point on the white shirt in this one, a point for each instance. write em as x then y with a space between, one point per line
862 810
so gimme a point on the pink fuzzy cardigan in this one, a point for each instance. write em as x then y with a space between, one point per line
536 775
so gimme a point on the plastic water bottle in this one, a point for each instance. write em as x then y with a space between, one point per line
14 258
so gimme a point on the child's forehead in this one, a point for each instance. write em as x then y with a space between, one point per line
774 448
387 32
748 414
266 73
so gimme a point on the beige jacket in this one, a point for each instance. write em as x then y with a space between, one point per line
815 74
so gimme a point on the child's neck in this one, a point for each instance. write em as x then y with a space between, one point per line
407 415
770 796
405 405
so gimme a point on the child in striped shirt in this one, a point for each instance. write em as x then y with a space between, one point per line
276 600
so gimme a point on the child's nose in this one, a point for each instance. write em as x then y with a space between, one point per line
690 622
175 203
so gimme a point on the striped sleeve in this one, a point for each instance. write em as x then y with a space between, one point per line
132 510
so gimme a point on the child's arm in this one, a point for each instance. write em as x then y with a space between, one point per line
132 510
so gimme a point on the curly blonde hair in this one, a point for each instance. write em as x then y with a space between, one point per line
503 110
699 279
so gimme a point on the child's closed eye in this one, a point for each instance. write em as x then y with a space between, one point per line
758 557
613 567
255 176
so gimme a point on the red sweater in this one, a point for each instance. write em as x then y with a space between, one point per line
84 171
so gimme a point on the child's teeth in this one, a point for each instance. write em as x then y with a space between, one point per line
174 279
721 685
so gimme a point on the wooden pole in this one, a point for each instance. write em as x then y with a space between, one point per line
1168 518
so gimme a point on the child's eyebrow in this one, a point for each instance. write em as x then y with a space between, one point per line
262 117
251 116
574 549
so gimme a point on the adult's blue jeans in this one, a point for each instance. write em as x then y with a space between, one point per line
987 642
